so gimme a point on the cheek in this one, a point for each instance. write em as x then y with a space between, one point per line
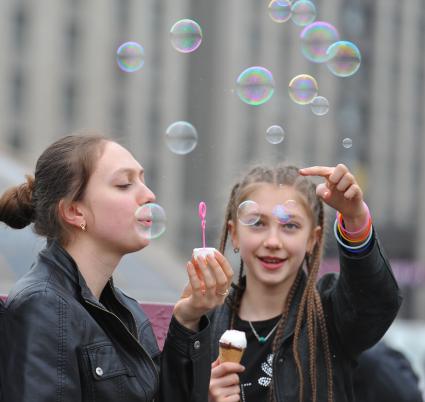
250 242
113 212
298 245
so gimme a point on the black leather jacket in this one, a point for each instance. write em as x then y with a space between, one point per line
60 344
359 305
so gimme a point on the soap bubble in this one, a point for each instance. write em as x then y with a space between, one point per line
280 10
344 58
303 89
255 85
347 143
181 137
316 39
151 220
319 106
186 35
248 213
275 134
130 57
303 12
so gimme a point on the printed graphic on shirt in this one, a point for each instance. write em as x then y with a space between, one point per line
263 381
267 368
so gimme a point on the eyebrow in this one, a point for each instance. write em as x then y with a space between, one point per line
129 171
291 216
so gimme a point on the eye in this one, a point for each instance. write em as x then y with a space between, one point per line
290 226
123 186
258 224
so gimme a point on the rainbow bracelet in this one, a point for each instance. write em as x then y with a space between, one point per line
362 229
357 240
355 249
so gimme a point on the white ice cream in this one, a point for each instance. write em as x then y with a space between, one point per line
235 338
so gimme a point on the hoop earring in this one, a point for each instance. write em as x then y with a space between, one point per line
236 250
83 227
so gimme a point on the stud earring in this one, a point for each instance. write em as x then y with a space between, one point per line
83 227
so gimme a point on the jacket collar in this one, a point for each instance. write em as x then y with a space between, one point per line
63 262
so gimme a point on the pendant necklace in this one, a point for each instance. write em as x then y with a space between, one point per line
263 339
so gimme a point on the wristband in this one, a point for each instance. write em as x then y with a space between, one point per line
362 229
354 249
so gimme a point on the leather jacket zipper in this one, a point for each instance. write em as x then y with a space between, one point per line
126 329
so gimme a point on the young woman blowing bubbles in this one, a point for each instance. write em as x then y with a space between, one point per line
303 337
68 334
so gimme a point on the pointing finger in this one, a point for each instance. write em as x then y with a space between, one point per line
323 171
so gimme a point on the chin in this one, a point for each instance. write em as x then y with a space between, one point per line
134 247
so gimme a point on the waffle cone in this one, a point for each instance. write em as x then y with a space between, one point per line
229 354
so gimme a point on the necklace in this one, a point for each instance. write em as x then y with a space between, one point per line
262 339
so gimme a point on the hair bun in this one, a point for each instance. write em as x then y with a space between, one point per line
16 206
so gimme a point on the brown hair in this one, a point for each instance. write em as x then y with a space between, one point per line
310 308
62 172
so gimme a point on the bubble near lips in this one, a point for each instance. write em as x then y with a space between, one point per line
151 220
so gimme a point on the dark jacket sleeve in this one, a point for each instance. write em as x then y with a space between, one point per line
185 364
37 364
364 300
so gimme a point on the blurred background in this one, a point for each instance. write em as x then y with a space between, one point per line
59 73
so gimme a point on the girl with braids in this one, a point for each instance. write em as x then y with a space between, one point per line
68 334
303 335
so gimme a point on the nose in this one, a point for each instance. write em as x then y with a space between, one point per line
272 240
145 195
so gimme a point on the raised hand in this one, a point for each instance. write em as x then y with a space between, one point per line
224 382
207 288
340 191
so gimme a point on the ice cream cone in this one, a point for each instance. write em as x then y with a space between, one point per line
232 345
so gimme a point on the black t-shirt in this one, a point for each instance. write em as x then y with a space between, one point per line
257 360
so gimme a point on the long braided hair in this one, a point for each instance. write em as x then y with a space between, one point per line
310 309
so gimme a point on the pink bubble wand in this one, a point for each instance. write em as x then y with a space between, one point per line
202 215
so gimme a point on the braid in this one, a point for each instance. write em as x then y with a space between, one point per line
236 300
295 351
322 326
227 217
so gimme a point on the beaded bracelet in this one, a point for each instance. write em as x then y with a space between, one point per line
355 249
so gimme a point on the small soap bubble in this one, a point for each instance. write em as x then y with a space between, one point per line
248 213
303 12
255 85
151 220
319 106
303 89
284 212
181 137
130 57
347 142
280 10
344 58
275 134
316 39
186 36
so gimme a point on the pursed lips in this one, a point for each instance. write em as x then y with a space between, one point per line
147 223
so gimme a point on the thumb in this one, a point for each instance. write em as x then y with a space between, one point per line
215 363
322 191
